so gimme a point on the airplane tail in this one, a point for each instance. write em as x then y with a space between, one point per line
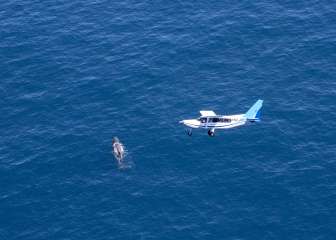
253 114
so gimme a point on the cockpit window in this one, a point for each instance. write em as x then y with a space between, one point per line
214 120
203 120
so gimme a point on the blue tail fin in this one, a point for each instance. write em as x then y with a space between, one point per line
253 113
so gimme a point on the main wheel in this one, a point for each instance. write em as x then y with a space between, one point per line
211 133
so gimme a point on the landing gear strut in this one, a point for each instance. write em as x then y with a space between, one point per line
211 132
189 132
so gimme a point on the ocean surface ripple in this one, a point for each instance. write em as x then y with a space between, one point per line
76 73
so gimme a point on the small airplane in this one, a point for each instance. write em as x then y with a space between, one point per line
210 120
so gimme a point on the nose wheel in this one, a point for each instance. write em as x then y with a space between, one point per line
189 132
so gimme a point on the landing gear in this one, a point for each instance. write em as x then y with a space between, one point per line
189 132
211 132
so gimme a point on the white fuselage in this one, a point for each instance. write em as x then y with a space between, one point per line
216 122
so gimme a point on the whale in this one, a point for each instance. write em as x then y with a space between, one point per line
118 149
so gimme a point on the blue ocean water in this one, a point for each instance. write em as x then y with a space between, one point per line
76 73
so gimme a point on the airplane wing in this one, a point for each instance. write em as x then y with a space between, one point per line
207 113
